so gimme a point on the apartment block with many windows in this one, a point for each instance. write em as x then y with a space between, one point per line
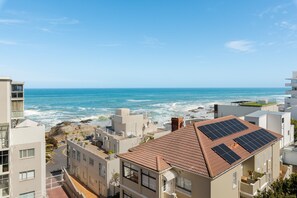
22 146
224 157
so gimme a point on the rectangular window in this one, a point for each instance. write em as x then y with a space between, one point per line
78 156
91 161
27 153
126 195
130 172
84 157
26 175
27 195
148 180
4 185
283 120
73 153
184 184
234 180
4 161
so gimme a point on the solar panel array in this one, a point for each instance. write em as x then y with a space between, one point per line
221 129
255 140
226 153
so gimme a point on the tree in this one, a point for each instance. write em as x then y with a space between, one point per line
286 188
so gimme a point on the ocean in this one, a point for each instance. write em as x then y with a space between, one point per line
52 106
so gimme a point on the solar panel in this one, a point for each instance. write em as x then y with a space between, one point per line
255 140
226 153
221 129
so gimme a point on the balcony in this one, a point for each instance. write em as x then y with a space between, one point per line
285 171
291 92
249 187
17 114
17 95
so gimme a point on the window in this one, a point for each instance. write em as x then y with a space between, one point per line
148 180
78 156
91 161
184 184
17 87
3 136
125 195
73 153
164 185
27 195
27 153
252 122
130 172
234 180
4 161
283 120
27 175
84 157
4 184
101 170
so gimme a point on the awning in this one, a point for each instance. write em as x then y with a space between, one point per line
169 175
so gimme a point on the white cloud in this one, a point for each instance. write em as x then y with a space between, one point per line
152 42
11 21
63 21
287 25
240 45
6 42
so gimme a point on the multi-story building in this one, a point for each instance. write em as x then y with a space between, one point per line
279 122
242 108
94 162
224 157
22 146
291 101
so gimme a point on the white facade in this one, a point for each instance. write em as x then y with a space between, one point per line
279 122
240 110
291 102
22 146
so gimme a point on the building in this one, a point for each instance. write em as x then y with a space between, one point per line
224 157
279 122
291 101
94 162
22 146
242 108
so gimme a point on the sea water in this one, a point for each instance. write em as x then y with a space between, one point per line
52 106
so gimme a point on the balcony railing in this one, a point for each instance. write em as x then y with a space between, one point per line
17 114
251 186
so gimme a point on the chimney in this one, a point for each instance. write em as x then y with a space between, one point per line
177 123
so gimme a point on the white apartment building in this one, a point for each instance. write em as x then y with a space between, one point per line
94 162
278 122
22 146
242 108
291 101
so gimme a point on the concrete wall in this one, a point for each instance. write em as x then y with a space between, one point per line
223 185
27 138
88 174
275 160
239 111
5 101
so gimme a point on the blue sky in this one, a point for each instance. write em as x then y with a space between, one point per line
148 43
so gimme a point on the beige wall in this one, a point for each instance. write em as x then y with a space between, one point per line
5 101
223 186
275 160
89 174
18 165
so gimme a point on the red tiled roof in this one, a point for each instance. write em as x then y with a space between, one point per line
189 149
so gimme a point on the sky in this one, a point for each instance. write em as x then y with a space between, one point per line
148 43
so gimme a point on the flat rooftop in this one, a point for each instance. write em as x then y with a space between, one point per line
261 113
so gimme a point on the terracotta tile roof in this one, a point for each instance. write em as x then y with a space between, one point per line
189 149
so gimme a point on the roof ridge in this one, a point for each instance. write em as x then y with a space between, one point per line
210 173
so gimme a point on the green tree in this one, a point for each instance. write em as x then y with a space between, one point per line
286 188
294 122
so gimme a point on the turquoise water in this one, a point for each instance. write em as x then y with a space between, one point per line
51 106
